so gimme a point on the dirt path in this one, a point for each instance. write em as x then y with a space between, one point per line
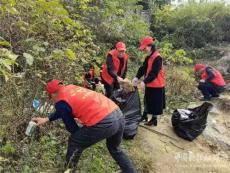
160 151
167 153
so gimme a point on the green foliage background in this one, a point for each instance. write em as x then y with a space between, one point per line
45 39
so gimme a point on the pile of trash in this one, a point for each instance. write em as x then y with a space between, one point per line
127 86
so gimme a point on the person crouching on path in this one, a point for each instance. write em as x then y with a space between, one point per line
211 82
114 69
101 119
153 83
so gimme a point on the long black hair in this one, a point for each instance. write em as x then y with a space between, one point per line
153 47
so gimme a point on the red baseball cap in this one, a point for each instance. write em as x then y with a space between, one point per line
53 86
121 46
145 42
198 67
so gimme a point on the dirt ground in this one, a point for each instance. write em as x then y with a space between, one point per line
163 152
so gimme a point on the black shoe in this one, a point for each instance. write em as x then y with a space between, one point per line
144 118
152 122
155 121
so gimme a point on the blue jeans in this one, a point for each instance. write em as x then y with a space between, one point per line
110 128
210 90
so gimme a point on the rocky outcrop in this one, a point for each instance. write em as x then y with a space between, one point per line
223 65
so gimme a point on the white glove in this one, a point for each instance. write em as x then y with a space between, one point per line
202 81
142 85
135 81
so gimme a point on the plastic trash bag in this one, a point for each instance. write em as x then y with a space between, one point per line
190 123
184 114
130 105
36 104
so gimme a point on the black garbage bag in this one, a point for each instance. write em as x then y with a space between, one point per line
130 105
190 123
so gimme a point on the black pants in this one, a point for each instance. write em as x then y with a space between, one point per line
110 88
210 90
110 128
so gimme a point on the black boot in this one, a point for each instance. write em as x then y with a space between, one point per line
152 122
144 117
155 121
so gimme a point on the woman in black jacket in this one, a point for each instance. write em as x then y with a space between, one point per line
153 83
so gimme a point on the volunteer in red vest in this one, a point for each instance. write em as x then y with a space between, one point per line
211 82
101 119
115 68
89 78
153 83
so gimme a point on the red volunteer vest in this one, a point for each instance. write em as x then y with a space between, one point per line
89 107
159 82
105 75
217 80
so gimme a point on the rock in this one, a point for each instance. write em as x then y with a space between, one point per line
223 65
224 104
227 87
217 133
